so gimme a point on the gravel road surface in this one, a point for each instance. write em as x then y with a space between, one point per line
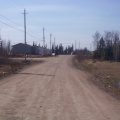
55 90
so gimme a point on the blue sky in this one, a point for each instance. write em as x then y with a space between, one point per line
67 20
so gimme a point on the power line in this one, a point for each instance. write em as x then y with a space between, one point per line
10 20
12 26
33 36
16 24
19 30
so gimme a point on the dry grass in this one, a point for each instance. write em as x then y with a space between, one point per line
104 69
12 65
106 75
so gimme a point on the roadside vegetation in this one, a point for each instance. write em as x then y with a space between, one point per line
103 63
107 46
9 63
104 74
60 50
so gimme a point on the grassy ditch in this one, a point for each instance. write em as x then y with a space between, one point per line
10 66
105 74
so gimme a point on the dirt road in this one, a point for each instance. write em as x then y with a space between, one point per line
54 90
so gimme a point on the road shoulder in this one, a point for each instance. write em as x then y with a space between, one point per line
97 80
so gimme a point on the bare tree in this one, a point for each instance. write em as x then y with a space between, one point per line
8 46
4 48
96 38
107 38
107 46
116 45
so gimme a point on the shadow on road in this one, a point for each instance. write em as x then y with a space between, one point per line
34 74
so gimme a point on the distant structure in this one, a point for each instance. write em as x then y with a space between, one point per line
36 50
0 42
20 48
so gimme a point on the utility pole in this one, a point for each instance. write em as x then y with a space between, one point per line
50 41
44 39
75 45
25 31
79 45
54 44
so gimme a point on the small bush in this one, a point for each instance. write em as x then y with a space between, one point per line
83 54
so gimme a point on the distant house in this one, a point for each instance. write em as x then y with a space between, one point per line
48 51
21 48
36 50
40 50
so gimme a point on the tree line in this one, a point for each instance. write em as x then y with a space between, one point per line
83 54
107 46
5 48
59 49
4 51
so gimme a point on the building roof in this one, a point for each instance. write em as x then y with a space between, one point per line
21 44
